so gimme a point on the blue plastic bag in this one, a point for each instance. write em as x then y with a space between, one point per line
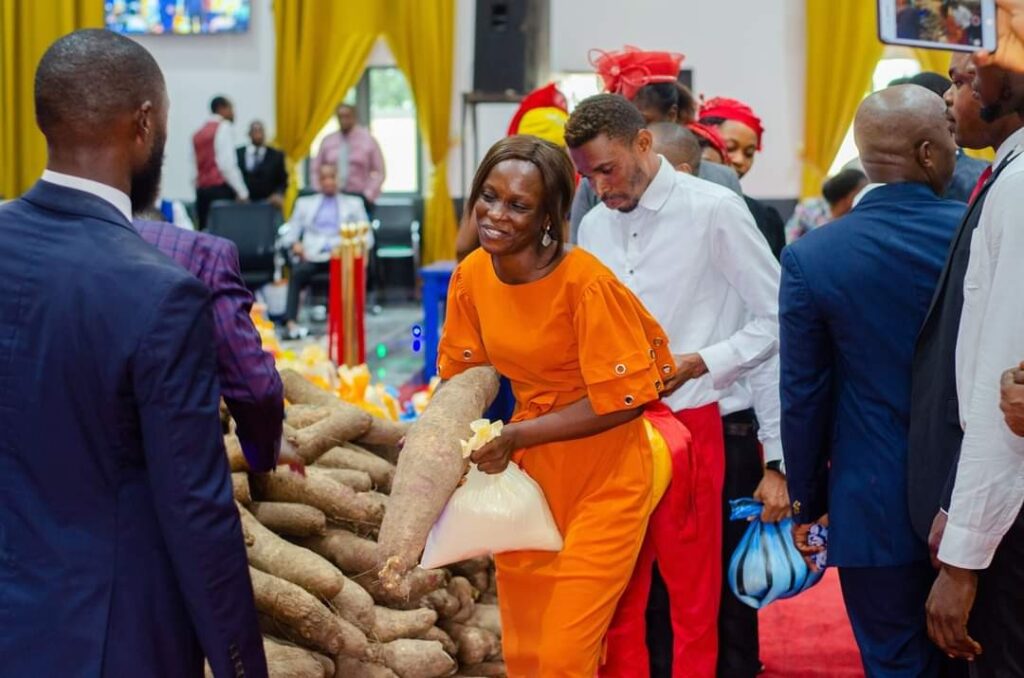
766 565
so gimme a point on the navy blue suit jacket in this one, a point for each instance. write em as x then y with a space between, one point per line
853 297
121 551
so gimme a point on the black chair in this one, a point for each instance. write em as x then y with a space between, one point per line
396 247
253 228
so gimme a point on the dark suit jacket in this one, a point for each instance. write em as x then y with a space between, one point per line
121 552
266 178
770 223
965 177
249 381
853 296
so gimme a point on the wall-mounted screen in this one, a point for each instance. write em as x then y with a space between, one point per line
177 17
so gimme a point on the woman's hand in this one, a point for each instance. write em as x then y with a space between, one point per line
495 455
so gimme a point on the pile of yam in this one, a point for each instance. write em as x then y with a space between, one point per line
333 554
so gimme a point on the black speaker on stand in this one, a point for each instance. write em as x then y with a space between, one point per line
512 45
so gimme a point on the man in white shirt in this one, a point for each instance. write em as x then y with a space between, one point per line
692 253
217 174
982 547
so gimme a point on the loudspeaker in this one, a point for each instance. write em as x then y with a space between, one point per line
512 45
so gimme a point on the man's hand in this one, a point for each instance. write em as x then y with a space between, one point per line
298 250
949 608
935 537
242 200
291 458
1009 53
800 533
688 366
495 455
1012 398
773 492
276 199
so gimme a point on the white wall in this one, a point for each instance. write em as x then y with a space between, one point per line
749 49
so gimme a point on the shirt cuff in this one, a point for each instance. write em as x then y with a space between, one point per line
721 363
773 451
967 549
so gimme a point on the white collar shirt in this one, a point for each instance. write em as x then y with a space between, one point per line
118 199
989 489
693 255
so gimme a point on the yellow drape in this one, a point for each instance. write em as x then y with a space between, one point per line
322 47
421 34
27 28
842 52
934 60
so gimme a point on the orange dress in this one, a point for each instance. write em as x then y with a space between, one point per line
576 333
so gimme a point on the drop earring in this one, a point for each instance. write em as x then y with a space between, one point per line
546 240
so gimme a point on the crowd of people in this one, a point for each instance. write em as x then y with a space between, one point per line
870 381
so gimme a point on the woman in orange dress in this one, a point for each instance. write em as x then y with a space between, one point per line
584 357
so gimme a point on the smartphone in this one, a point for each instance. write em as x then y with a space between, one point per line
953 25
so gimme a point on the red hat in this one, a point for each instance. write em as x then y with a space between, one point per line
731 109
627 71
547 96
710 135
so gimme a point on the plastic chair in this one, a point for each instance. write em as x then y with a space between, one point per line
253 228
396 234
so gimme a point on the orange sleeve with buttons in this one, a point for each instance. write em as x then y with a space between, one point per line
461 345
623 353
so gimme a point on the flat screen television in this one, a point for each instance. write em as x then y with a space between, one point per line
177 17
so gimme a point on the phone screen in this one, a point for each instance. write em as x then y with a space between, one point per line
956 25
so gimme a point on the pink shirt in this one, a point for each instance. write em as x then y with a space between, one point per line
365 174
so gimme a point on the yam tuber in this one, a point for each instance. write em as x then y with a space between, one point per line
420 582
355 605
274 555
289 661
416 658
290 519
337 428
349 667
486 617
335 500
467 568
236 458
358 459
352 554
384 432
441 601
429 469
300 391
438 634
301 416
296 614
240 488
388 453
466 595
476 645
486 670
394 624
359 481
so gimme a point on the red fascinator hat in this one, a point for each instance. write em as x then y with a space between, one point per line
626 71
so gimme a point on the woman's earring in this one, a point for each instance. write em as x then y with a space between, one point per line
546 240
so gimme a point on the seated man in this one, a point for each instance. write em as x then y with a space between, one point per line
313 232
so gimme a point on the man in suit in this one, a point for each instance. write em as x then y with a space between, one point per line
263 167
847 330
313 233
974 610
935 431
216 172
249 382
122 548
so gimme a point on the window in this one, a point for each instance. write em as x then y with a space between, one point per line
386 106
887 70
578 86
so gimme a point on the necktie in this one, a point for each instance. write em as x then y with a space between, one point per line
343 163
982 180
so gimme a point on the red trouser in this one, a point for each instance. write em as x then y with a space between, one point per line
688 551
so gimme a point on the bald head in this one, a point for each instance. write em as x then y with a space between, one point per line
88 78
678 144
904 136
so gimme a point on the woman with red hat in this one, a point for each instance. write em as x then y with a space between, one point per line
742 131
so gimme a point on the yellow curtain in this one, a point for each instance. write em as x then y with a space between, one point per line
27 28
842 52
934 60
421 34
322 47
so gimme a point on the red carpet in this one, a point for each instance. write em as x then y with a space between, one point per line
809 636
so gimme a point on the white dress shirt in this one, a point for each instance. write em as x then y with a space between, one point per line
989 488
318 243
118 199
226 157
692 253
254 156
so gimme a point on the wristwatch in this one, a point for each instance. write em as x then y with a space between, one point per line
778 466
